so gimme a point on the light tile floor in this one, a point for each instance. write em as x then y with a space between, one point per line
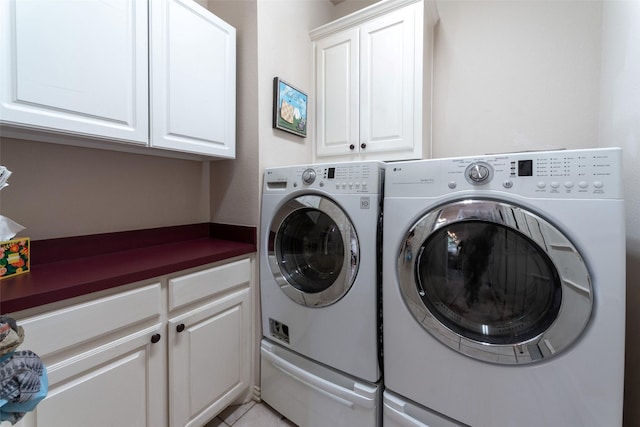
250 414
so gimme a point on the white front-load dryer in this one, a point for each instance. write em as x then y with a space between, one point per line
504 290
319 285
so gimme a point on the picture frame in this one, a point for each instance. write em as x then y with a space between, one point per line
289 108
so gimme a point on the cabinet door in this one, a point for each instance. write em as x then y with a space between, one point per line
209 360
76 67
337 89
117 384
193 80
391 83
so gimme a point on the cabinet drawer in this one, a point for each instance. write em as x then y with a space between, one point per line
60 329
186 289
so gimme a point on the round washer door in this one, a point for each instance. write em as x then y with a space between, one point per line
313 250
495 282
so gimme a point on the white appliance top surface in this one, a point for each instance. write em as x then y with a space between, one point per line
561 174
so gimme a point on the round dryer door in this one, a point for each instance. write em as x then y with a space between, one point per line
313 251
495 282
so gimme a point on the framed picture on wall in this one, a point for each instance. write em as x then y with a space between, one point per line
289 108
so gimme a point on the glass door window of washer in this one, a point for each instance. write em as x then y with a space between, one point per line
313 250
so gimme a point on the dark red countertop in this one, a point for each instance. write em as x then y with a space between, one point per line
73 266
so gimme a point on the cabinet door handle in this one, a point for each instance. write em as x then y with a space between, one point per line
352 147
363 145
155 338
180 327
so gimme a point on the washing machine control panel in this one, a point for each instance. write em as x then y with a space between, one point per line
592 173
338 178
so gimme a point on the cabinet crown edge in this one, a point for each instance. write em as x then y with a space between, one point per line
377 9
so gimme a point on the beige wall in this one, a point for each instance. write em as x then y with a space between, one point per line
59 191
620 126
348 6
516 75
234 183
284 50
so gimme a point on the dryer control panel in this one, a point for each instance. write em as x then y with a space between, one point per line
592 173
337 178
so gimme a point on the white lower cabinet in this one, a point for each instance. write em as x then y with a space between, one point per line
209 346
114 384
117 360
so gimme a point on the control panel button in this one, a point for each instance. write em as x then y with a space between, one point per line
555 184
598 184
541 184
568 184
452 184
507 183
583 184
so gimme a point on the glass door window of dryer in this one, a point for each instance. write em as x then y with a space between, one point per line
313 252
495 282
488 282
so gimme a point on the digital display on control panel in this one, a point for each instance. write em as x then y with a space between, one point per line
525 167
331 173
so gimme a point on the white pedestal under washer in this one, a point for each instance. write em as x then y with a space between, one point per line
504 289
319 280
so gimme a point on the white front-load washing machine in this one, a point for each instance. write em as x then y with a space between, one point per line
320 286
504 290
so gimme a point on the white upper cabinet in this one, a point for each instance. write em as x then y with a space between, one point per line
193 79
389 65
337 93
76 67
148 73
373 81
